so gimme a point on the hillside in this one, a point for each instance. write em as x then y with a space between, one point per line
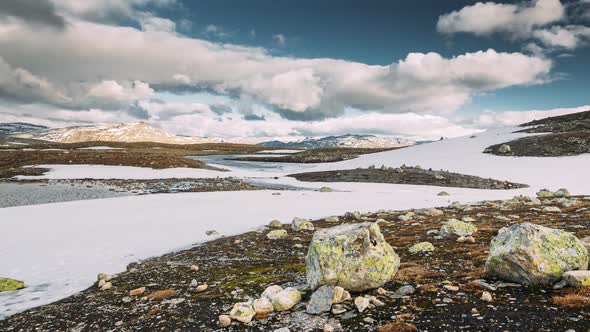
12 128
133 132
349 141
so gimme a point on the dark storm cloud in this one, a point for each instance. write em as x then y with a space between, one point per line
39 12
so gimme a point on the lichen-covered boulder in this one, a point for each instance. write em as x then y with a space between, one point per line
354 256
530 254
276 224
242 312
7 284
544 193
299 224
457 228
422 247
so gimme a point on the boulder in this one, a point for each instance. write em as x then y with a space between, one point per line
7 284
277 234
326 190
443 193
353 256
286 299
530 254
242 312
321 300
332 219
422 247
562 193
271 291
544 193
276 224
262 306
301 225
577 278
504 149
457 228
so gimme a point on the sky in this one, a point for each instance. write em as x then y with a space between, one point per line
288 69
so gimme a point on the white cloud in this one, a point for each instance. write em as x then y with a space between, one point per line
217 31
280 39
418 83
127 93
568 37
108 10
486 18
511 118
152 23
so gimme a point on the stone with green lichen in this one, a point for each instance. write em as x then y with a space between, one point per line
275 224
277 234
422 247
530 254
332 219
326 190
286 299
300 224
562 193
577 278
242 312
545 194
7 284
457 228
353 256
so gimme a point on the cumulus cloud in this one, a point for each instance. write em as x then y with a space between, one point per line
108 10
152 23
568 37
486 18
418 83
216 31
37 12
511 118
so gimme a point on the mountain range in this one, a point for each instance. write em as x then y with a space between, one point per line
350 141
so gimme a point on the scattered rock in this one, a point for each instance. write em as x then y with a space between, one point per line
161 294
103 276
551 209
469 239
275 224
271 291
277 234
321 300
326 190
443 193
332 219
422 247
106 286
451 288
286 299
486 296
301 225
354 256
361 303
457 228
504 149
404 291
201 288
356 215
224 320
328 328
194 268
137 291
242 312
7 284
577 278
212 232
530 254
263 306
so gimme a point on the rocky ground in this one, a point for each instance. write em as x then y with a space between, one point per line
153 186
153 155
441 290
322 155
406 175
566 135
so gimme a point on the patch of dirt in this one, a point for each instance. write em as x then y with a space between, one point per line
322 155
406 175
240 267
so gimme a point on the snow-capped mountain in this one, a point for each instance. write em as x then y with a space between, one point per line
131 132
13 128
350 141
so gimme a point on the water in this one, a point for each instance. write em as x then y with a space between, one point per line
259 166
19 194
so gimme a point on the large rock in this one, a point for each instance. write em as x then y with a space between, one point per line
530 254
454 227
354 256
321 300
299 224
7 284
286 299
242 312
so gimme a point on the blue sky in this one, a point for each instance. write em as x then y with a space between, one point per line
293 68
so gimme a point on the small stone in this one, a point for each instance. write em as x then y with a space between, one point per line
382 291
119 323
106 286
212 232
271 291
340 295
457 228
263 306
443 193
326 190
242 312
161 294
101 283
403 291
338 309
277 234
579 278
451 288
361 303
276 224
224 320
486 296
422 247
201 288
103 276
332 219
194 283
300 224
328 328
469 239
321 300
504 149
194 268
286 299
137 291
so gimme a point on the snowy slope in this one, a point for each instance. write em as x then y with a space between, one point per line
12 128
132 132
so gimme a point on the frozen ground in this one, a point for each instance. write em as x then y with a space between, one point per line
65 245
